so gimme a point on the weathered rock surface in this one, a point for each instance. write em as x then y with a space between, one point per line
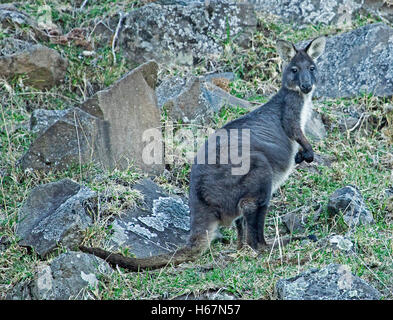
349 201
42 119
355 62
108 128
43 67
339 242
161 225
127 108
184 35
14 21
68 276
334 282
379 8
294 222
55 213
302 12
71 140
194 99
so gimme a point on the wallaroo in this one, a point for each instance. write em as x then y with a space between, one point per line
275 138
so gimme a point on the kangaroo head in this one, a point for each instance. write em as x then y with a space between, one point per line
300 70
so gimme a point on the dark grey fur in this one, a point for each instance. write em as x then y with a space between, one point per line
218 197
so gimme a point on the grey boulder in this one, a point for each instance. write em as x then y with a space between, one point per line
194 99
158 226
55 213
356 62
108 128
334 282
69 276
71 140
43 67
184 35
42 119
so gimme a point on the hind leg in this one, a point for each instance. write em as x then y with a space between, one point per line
240 226
262 211
249 210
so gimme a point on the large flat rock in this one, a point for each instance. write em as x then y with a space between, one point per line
108 128
128 108
158 226
54 213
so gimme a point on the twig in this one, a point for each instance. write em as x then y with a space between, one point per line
83 5
115 36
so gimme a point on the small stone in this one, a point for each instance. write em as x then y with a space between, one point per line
334 282
349 201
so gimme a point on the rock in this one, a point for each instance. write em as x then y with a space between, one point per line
4 243
127 109
108 128
356 62
14 22
55 213
194 99
349 201
208 295
341 243
336 242
294 222
11 46
42 66
68 276
211 77
184 35
334 282
73 139
305 12
42 119
379 8
161 225
319 160
315 129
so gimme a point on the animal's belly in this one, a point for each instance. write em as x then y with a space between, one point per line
280 175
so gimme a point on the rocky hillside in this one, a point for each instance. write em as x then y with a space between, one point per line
85 86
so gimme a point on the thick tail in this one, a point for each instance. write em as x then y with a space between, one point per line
184 254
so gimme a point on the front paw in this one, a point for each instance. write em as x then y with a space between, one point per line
299 157
308 156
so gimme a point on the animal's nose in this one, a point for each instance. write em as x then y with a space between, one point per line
306 88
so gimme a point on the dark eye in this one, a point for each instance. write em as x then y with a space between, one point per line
312 68
294 69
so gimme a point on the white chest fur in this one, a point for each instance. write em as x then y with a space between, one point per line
306 110
280 177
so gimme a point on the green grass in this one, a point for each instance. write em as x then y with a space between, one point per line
362 157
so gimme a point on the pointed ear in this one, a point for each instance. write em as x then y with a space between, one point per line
316 47
286 50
